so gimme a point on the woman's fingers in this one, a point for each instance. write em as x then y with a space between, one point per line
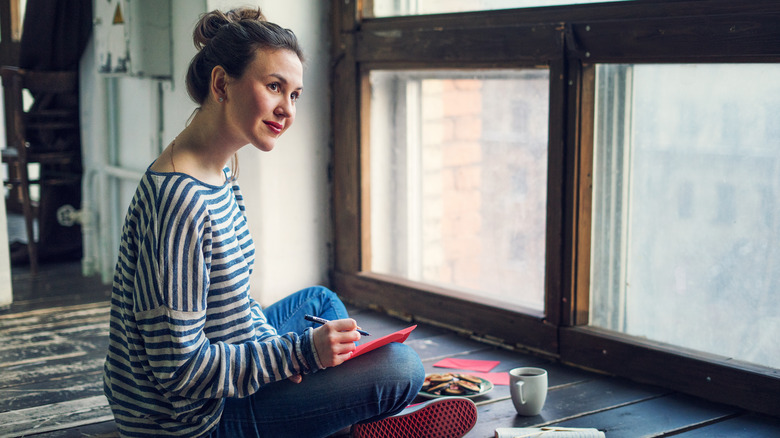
347 325
296 378
335 341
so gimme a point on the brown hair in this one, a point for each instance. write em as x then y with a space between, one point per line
231 40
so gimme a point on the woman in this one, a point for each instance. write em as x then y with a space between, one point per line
191 354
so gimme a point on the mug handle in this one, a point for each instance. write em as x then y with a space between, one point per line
519 385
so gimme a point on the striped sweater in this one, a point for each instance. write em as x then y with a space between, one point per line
184 330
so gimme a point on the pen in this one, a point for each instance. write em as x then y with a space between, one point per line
323 321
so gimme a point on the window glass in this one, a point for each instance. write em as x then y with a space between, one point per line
458 180
22 9
686 206
389 8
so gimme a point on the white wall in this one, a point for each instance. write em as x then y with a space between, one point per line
286 190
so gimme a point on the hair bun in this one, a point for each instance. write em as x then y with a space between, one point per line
245 14
210 23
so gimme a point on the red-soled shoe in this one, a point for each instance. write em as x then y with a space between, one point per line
446 417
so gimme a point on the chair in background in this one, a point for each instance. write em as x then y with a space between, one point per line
46 132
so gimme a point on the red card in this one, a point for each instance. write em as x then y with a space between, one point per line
494 378
399 336
467 364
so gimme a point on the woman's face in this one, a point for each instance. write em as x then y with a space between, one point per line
261 103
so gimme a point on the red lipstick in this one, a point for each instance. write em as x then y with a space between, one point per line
275 127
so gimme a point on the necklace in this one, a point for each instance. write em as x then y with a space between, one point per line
173 143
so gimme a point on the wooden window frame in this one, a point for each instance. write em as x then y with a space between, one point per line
569 40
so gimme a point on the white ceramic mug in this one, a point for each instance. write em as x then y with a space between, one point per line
528 387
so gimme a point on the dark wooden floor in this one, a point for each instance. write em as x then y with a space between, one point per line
54 338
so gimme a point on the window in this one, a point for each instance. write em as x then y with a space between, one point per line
22 8
686 201
458 180
384 8
644 187
12 14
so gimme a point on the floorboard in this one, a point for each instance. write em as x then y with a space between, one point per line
744 426
104 429
54 343
565 402
54 417
50 391
55 285
655 417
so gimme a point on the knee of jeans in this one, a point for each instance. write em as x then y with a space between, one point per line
320 293
329 293
406 362
329 300
317 290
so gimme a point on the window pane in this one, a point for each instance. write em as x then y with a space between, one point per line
22 9
686 218
459 179
385 8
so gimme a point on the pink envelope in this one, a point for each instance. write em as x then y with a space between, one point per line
399 336
467 364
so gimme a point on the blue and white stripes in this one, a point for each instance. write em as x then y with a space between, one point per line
184 330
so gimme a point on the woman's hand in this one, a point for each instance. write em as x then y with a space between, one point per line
296 378
335 341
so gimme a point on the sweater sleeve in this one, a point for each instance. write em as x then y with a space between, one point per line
187 365
267 330
198 328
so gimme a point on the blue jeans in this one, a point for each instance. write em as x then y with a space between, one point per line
368 388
